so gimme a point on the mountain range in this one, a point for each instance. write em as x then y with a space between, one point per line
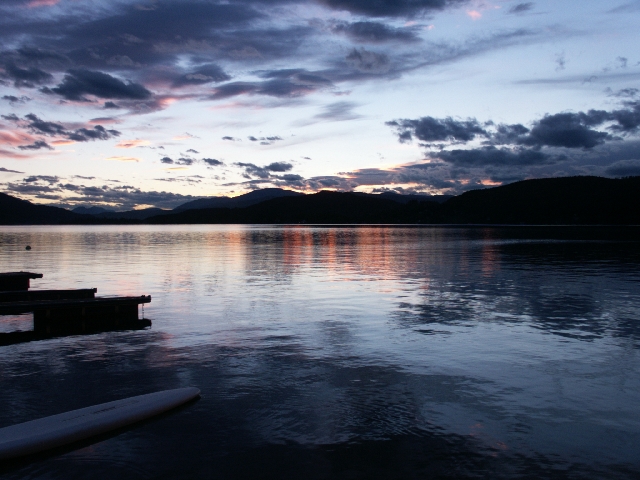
567 201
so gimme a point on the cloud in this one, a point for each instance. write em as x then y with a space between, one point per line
89 134
122 197
209 73
39 126
624 168
132 143
392 8
252 170
212 162
79 82
491 155
375 32
566 130
429 129
628 119
13 99
41 178
368 62
25 77
231 139
183 161
265 140
521 7
338 111
6 170
595 142
120 158
37 145
561 62
188 179
569 130
284 83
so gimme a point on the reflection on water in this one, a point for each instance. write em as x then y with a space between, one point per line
344 352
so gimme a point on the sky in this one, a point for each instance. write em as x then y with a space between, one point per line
138 103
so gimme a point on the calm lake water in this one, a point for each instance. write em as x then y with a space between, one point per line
342 352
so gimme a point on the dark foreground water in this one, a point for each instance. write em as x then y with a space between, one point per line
342 352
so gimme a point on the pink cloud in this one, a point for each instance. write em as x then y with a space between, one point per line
474 14
15 138
132 143
10 154
42 3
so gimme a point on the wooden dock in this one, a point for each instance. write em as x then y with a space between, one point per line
65 312
38 295
16 280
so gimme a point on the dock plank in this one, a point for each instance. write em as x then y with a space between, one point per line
15 308
39 295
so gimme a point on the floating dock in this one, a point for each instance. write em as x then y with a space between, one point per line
10 281
65 312
38 295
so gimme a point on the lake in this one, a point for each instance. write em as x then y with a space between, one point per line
342 352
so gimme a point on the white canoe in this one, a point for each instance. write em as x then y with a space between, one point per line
58 430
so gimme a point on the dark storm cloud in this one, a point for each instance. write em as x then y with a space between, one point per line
628 120
491 155
37 145
167 160
110 105
27 66
624 168
569 130
521 7
80 82
392 8
429 129
209 73
375 32
149 41
26 77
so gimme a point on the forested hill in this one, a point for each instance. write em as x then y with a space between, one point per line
14 211
572 200
553 201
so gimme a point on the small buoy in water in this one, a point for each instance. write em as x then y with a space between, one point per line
28 247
